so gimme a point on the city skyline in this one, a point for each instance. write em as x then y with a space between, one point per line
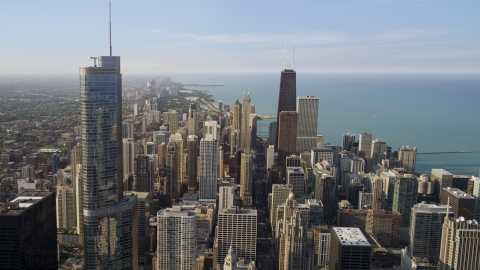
367 36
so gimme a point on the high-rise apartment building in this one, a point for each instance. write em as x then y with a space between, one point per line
426 229
245 132
236 228
287 136
28 235
365 144
176 238
108 215
208 168
144 172
349 249
192 119
246 177
192 161
460 244
307 123
66 208
408 156
347 140
405 196
287 95
172 117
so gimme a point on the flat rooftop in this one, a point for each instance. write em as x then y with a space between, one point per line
458 193
431 208
350 236
22 202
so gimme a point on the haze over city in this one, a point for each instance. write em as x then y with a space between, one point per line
56 37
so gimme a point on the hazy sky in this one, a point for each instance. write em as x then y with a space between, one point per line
161 37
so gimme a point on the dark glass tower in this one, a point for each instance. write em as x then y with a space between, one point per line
287 95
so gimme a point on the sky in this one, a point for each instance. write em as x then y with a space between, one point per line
159 37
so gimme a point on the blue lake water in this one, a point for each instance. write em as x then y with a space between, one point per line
434 112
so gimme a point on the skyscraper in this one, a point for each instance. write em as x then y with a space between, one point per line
347 140
405 196
426 229
192 161
287 136
208 168
237 116
287 94
245 133
349 249
192 119
307 123
365 144
176 238
379 150
107 213
246 177
408 156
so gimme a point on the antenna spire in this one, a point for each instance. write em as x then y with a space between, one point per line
293 55
284 54
110 20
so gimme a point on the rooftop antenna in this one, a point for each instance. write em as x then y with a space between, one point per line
293 55
284 54
94 61
110 20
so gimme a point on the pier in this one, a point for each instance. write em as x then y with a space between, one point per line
451 152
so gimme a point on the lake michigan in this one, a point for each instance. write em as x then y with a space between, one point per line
434 112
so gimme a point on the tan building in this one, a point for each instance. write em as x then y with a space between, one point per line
246 177
279 195
441 179
66 208
384 226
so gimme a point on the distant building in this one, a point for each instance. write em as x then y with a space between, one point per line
441 179
307 123
296 178
463 205
408 156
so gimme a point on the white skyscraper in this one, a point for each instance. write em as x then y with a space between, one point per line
176 239
212 127
208 168
270 156
307 123
236 228
130 151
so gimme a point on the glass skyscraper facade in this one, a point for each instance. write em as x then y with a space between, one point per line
108 215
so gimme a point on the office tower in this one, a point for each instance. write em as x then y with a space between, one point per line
293 161
272 133
160 137
192 119
236 228
287 95
172 117
384 226
234 142
307 123
66 208
405 196
253 130
55 163
108 214
192 162
365 144
143 216
426 229
245 133
441 179
246 177
130 151
389 186
28 171
287 136
365 200
172 174
323 153
326 192
237 116
379 150
212 127
460 244
279 195
349 249
476 194
208 168
143 174
128 129
296 178
408 156
176 238
463 205
347 140
295 244
226 195
28 235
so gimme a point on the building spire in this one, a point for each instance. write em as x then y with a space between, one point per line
110 20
